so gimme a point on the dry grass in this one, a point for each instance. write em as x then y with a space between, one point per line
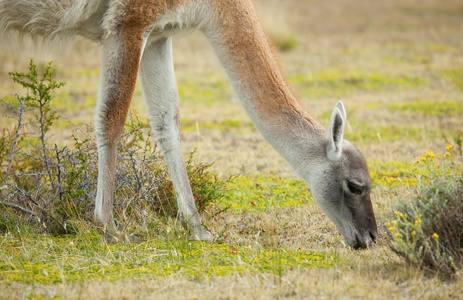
385 39
342 283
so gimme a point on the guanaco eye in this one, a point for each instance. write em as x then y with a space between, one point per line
355 188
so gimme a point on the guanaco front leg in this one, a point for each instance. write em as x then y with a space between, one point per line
121 55
161 96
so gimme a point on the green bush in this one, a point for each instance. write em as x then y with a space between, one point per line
284 42
53 186
428 229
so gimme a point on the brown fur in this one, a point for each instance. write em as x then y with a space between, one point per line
248 49
132 36
139 15
143 13
118 106
251 55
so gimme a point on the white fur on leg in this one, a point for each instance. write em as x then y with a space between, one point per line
161 96
111 60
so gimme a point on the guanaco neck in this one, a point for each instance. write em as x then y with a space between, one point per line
244 51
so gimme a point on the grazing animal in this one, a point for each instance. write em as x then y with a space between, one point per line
136 39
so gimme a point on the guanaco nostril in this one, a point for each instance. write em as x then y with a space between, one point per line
358 244
373 236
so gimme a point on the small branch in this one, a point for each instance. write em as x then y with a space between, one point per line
220 211
12 107
134 166
44 212
15 142
58 159
29 174
39 159
18 208
42 139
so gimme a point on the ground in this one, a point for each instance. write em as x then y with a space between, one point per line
397 66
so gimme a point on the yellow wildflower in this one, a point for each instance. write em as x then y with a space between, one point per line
430 155
418 222
435 236
391 229
398 235
413 233
449 148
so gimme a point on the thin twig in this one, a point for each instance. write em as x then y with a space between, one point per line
58 159
134 166
43 103
15 142
44 211
18 208
29 174
39 159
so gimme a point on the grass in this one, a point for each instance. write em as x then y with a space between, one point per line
259 193
33 259
207 91
456 76
37 259
340 83
363 133
399 76
439 109
225 125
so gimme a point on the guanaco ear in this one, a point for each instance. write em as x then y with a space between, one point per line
341 108
336 132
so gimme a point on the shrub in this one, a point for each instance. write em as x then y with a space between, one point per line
428 230
284 42
54 186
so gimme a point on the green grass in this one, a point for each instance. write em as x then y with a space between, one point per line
225 125
204 91
337 82
260 193
41 259
283 41
361 132
417 109
456 76
33 258
439 109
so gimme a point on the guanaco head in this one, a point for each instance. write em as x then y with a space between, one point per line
341 185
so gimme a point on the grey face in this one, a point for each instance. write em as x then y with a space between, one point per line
342 189
341 186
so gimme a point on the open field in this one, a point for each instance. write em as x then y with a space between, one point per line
398 68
